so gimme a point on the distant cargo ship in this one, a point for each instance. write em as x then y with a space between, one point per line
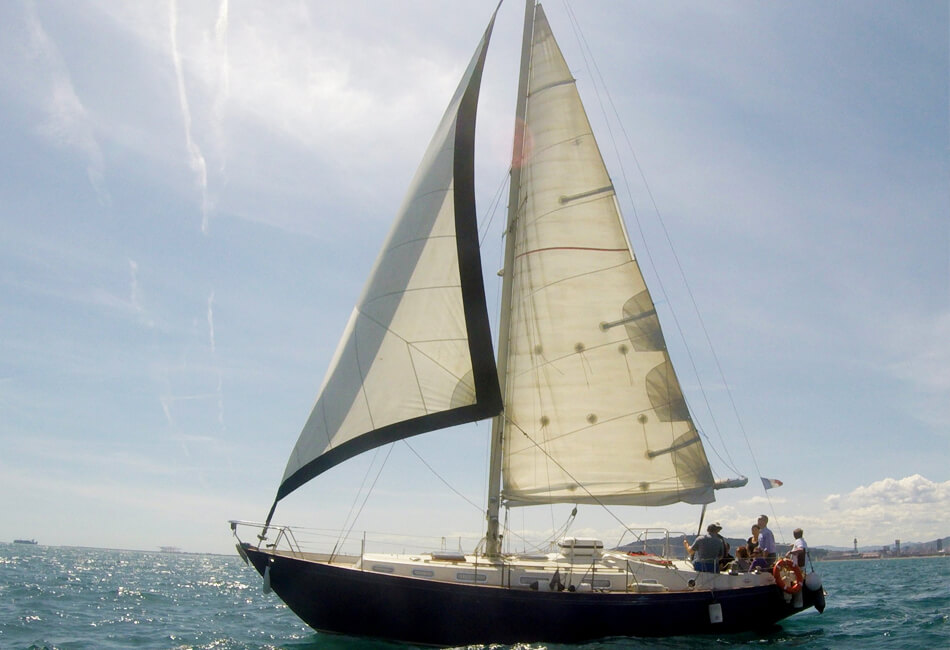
25 541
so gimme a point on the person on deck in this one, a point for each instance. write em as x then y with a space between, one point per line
706 550
766 539
742 563
726 556
759 563
799 549
753 542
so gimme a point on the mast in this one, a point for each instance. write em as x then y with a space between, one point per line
493 534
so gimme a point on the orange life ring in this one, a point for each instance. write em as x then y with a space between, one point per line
782 572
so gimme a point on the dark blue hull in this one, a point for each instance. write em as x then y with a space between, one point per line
347 601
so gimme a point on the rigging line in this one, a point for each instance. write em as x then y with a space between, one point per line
592 67
551 539
571 476
346 520
439 476
493 207
343 532
530 322
368 493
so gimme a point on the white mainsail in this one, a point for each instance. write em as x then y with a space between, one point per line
593 409
416 354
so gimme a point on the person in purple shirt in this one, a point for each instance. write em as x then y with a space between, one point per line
766 539
759 563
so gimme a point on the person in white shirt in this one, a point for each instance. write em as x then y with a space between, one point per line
799 549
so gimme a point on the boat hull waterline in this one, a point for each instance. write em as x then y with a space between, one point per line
369 604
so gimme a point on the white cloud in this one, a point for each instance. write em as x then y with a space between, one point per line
211 320
911 490
67 122
912 508
196 158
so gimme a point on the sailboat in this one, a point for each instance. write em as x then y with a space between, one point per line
585 404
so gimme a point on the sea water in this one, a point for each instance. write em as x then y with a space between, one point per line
69 598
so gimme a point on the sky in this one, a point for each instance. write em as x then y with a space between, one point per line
192 194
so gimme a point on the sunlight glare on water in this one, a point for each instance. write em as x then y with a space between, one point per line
61 597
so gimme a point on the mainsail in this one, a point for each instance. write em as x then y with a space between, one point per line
416 354
593 409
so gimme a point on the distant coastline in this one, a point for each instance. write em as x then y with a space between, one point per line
126 550
863 557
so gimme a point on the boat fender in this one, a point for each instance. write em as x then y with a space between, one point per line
267 588
787 576
813 584
715 613
820 600
798 600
